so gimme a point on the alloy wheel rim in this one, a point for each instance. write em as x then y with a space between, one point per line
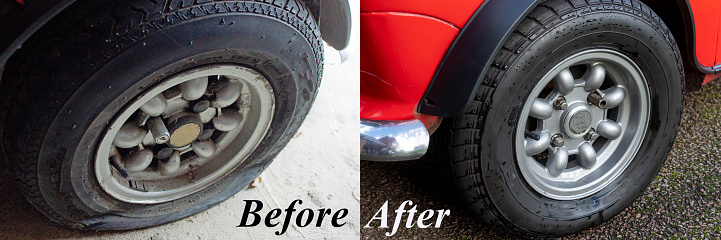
184 133
582 124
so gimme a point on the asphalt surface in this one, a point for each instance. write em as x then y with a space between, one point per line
684 201
320 166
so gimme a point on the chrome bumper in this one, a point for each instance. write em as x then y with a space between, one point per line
391 141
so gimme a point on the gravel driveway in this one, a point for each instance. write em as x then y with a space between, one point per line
683 201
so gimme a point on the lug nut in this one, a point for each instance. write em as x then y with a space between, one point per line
557 140
165 153
591 135
201 106
560 103
597 100
205 134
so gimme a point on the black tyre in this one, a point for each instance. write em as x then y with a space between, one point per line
572 122
87 141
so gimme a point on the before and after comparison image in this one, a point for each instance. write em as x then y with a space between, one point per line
360 119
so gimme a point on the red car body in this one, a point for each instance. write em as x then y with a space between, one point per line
404 42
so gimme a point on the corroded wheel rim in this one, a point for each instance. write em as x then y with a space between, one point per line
184 133
582 124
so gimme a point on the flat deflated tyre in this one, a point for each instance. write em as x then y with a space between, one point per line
572 122
130 114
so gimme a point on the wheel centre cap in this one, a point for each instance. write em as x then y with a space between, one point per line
184 130
577 121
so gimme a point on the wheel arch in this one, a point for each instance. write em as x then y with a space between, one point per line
461 71
680 22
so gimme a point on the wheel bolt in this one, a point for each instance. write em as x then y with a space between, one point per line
560 103
159 130
557 140
591 135
596 99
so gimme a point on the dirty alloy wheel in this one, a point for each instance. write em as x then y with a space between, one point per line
120 120
175 138
573 121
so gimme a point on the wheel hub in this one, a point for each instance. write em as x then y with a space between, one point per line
184 130
577 120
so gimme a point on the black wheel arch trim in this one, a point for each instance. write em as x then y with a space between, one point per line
466 61
332 16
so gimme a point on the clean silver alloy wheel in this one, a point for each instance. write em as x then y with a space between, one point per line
582 124
184 133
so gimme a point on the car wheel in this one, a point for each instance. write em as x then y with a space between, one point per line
572 122
131 114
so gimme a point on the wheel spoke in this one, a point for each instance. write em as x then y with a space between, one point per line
594 77
229 120
541 109
208 115
534 147
609 129
130 135
586 155
227 95
614 96
170 165
194 89
155 106
176 105
557 161
139 160
205 149
564 82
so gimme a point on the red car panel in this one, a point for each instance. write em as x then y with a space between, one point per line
453 12
396 67
706 24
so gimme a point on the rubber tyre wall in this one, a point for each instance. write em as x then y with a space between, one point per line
477 147
69 80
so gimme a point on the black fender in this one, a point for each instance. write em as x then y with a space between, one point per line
335 22
19 22
461 71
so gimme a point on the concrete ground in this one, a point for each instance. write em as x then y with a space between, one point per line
320 166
